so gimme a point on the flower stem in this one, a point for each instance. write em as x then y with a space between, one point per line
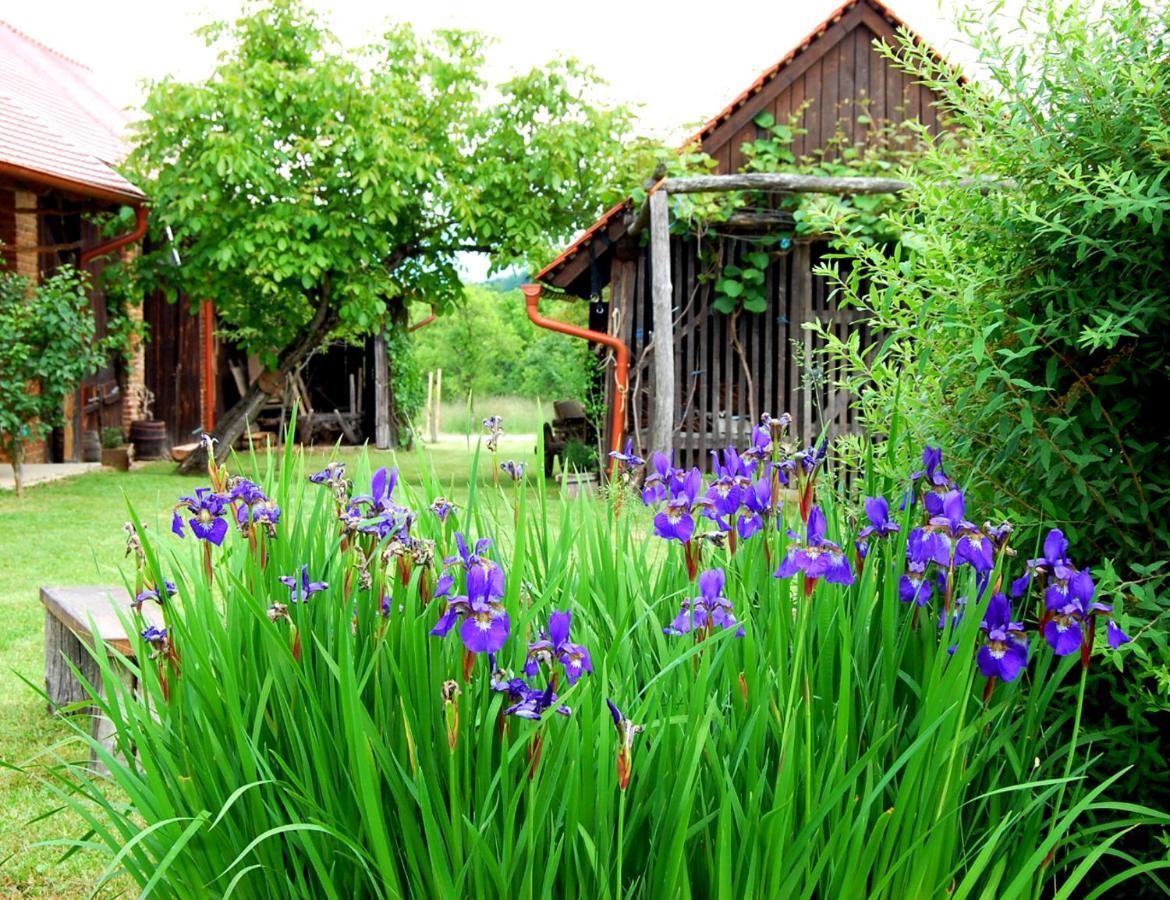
1068 764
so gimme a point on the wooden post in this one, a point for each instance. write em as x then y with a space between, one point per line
381 392
662 424
430 409
436 419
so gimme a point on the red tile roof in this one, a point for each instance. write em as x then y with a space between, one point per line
56 126
754 88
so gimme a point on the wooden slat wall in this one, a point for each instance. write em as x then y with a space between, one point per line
712 403
173 366
843 77
840 77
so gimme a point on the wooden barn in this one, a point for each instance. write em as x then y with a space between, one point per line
844 86
61 139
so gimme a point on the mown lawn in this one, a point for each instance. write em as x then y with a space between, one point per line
70 532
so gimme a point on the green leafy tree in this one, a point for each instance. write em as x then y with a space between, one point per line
49 345
314 191
487 346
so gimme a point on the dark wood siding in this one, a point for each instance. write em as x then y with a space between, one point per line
716 404
173 369
840 77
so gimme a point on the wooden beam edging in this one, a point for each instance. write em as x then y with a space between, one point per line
785 182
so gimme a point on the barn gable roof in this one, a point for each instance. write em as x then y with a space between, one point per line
858 22
56 125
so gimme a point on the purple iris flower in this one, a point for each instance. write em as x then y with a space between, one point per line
726 495
266 513
555 643
332 474
627 458
757 502
301 589
485 625
761 447
1053 564
877 510
932 469
811 458
155 636
1005 654
159 597
657 483
1071 611
914 586
207 510
442 507
948 526
513 469
531 702
380 498
732 465
476 559
677 521
817 557
494 426
706 612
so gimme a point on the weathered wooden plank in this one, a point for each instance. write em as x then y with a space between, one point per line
830 98
381 393
662 420
76 607
862 106
846 86
785 182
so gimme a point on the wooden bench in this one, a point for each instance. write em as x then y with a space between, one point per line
71 616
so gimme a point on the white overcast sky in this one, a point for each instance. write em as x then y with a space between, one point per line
679 63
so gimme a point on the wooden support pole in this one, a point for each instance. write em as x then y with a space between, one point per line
436 422
662 419
430 408
381 392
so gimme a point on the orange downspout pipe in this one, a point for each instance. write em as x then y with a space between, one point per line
207 317
422 323
140 214
621 370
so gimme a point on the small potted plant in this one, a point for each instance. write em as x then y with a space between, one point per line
115 451
578 468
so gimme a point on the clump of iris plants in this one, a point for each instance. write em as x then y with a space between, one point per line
788 707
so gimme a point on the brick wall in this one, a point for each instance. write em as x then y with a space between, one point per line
23 229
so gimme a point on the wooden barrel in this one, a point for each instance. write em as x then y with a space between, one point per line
149 438
91 446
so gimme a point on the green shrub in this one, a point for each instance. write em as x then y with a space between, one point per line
1023 316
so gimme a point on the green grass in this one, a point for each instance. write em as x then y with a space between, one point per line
522 415
70 532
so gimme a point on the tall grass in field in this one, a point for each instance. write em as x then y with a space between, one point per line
843 746
521 415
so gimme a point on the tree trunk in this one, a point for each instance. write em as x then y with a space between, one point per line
16 454
235 420
401 434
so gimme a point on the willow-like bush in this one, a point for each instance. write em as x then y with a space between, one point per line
334 711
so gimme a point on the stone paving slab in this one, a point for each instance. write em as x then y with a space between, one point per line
39 473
